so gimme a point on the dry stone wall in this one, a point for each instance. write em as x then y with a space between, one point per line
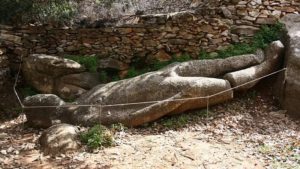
4 67
153 35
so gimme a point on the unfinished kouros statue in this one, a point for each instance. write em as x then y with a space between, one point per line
150 96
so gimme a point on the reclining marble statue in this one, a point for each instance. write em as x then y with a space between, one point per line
150 96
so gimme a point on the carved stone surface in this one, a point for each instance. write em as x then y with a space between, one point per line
290 97
150 96
54 75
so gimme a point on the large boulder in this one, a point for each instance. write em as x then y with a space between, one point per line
41 116
64 77
40 71
290 97
51 65
273 59
59 138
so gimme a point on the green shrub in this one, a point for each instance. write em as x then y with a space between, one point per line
24 11
236 49
133 72
103 76
118 127
115 78
158 65
96 137
176 121
181 120
89 62
203 55
182 58
261 39
267 34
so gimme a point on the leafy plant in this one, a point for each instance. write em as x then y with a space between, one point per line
182 58
176 122
158 65
89 62
133 72
118 127
96 137
267 34
179 121
265 149
237 49
261 39
115 78
204 55
103 76
20 11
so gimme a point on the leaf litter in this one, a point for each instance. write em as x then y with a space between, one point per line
248 132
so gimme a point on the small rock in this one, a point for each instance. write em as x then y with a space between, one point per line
10 149
4 152
3 135
42 117
59 138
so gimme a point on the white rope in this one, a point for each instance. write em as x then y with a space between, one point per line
16 82
151 102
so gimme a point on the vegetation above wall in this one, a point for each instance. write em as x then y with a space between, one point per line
31 11
58 11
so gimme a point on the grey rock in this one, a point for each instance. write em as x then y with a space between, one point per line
226 12
43 117
51 65
68 91
266 21
290 96
245 30
11 38
60 138
51 74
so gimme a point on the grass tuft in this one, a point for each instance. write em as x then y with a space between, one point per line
97 137
261 40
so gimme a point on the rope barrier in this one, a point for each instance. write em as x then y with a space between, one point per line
147 102
16 82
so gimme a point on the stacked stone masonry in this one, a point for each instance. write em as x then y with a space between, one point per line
4 66
153 35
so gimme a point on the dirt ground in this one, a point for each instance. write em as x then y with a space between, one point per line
248 132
